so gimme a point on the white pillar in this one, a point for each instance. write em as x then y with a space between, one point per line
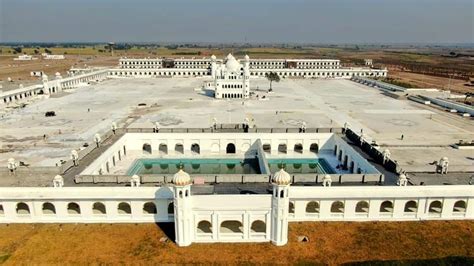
183 222
183 215
280 202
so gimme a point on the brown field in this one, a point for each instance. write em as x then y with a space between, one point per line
19 71
329 243
427 81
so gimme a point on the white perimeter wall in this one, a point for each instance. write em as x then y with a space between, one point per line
381 203
245 208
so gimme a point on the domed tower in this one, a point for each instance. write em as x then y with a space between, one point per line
182 208
45 84
246 75
280 201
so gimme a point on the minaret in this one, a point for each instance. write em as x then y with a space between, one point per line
182 208
246 85
280 201
45 84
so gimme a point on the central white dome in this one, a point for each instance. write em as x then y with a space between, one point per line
232 64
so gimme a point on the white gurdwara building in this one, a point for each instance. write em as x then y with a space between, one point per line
231 80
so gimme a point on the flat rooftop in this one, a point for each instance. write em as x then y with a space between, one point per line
180 103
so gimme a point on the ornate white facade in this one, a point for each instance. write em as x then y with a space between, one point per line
285 68
231 80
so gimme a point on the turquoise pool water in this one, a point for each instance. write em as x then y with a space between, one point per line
228 166
301 166
195 166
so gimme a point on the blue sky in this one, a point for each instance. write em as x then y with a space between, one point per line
295 21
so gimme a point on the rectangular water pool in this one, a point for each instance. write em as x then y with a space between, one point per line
195 166
301 166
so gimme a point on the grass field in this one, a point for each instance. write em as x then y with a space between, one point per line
330 243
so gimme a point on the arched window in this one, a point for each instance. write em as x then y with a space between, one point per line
230 148
335 150
267 148
195 148
459 206
411 207
298 148
339 157
282 148
258 227
314 148
337 207
2 211
386 207
124 208
231 227
48 208
204 227
163 148
149 208
73 208
171 208
291 207
179 148
346 159
98 208
312 207
362 207
146 148
435 207
22 208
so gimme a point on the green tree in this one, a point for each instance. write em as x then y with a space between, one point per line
272 76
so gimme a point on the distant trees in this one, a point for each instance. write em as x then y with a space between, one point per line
46 50
17 50
272 76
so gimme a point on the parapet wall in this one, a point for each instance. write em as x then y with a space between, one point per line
154 204
390 203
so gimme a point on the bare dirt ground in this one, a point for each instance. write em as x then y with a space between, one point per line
427 81
329 243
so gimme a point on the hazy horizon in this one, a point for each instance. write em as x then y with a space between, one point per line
226 21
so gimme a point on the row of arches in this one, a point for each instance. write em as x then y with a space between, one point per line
21 95
232 96
179 148
435 207
155 73
53 89
98 208
347 163
141 62
323 74
232 86
283 149
231 226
